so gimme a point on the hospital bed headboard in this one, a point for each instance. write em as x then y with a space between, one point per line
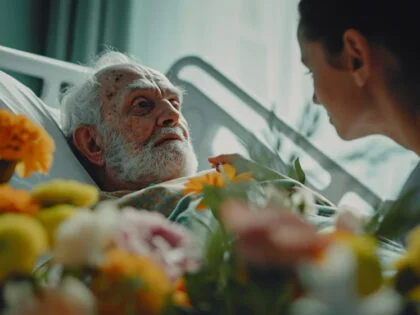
53 73
198 108
197 104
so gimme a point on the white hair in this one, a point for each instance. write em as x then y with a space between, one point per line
81 103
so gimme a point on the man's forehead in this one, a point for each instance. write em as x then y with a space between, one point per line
129 72
118 82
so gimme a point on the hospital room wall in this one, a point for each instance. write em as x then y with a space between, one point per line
23 27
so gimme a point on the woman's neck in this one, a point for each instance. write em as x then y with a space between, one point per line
403 126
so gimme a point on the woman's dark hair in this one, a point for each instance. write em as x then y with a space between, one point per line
392 24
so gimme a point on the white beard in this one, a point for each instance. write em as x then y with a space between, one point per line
150 164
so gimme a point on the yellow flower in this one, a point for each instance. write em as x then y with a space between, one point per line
368 271
52 217
66 192
180 296
414 294
22 240
127 282
28 143
412 257
196 184
15 200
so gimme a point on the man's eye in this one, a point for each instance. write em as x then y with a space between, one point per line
143 105
175 102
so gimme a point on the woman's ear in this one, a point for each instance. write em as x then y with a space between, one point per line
89 142
358 56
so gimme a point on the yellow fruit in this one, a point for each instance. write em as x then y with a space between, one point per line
22 241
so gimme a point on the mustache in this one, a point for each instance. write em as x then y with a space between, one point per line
165 131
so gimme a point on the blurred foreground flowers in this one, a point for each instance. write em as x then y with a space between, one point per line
24 145
273 248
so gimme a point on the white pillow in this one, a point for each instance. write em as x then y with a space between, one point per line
19 99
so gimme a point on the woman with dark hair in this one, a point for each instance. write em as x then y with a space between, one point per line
364 59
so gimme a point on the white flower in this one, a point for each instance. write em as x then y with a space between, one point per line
349 218
150 233
303 201
83 238
18 293
78 295
72 298
332 289
276 198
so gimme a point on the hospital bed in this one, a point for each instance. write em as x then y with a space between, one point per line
204 114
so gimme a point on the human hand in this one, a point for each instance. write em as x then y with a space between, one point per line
237 160
271 237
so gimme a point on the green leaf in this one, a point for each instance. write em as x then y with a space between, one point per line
393 220
213 198
296 172
300 174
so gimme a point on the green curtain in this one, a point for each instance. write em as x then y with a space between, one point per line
23 27
69 30
80 29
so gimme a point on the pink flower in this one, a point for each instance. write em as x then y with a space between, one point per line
150 233
271 236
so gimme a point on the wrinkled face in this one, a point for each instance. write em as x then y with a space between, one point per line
145 132
335 89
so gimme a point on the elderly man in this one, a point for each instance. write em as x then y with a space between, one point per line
125 124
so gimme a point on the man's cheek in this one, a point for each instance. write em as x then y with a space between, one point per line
135 131
184 124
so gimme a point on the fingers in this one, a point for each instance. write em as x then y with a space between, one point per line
223 158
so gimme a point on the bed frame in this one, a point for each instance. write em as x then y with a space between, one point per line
55 73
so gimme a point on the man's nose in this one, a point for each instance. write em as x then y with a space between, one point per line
169 116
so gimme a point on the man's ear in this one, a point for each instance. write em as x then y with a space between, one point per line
358 56
88 141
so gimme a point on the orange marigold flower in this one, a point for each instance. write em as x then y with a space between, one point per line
130 283
23 140
180 285
182 299
196 184
18 201
180 296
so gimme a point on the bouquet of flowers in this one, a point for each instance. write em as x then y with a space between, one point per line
268 251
